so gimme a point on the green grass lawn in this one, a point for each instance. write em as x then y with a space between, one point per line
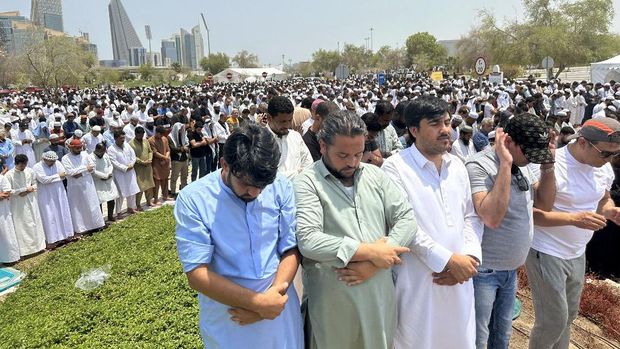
145 303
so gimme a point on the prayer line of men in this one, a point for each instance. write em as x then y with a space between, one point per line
354 222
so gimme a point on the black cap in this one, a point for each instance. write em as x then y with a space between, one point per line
532 134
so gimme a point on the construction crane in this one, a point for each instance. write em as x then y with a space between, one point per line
207 28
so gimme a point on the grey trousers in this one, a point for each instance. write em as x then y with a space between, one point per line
178 169
556 285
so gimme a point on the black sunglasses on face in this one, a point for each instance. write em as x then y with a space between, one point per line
521 181
604 154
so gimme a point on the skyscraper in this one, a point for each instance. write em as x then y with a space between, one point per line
199 45
47 14
189 48
125 41
168 51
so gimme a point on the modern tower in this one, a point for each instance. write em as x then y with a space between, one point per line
199 45
47 14
125 42
168 51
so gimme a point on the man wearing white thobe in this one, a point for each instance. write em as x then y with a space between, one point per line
81 192
24 207
9 247
92 138
437 186
295 154
130 128
23 139
123 159
106 188
52 198
580 107
463 147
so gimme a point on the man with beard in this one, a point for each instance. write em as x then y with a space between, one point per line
565 133
104 179
350 216
389 143
52 199
123 159
143 168
463 147
57 145
92 138
295 156
81 192
243 271
23 139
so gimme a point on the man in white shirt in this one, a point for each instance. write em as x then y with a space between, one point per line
92 138
295 155
489 108
433 289
23 139
463 147
582 204
130 128
220 130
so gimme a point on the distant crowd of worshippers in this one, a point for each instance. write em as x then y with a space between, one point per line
64 153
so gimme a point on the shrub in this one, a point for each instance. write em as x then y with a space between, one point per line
146 302
600 304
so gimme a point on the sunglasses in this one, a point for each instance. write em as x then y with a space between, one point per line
604 154
521 181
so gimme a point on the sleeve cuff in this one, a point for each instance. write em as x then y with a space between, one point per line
346 251
473 250
286 244
438 258
192 253
479 189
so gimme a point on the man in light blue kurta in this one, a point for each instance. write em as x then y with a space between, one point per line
238 230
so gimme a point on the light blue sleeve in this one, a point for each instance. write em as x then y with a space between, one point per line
194 245
288 222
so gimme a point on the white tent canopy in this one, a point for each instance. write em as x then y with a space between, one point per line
249 74
606 70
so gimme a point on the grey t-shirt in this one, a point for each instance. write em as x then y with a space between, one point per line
506 247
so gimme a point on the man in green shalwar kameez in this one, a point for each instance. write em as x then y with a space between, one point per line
352 222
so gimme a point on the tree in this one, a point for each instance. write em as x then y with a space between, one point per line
389 58
147 72
325 61
424 51
56 61
177 68
215 62
245 59
357 58
556 28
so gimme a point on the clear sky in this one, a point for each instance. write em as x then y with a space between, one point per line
293 28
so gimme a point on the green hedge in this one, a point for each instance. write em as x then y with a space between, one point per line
146 302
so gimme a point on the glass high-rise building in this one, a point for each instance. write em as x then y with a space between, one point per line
125 41
168 51
47 14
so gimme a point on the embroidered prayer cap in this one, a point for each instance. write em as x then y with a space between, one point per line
50 156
